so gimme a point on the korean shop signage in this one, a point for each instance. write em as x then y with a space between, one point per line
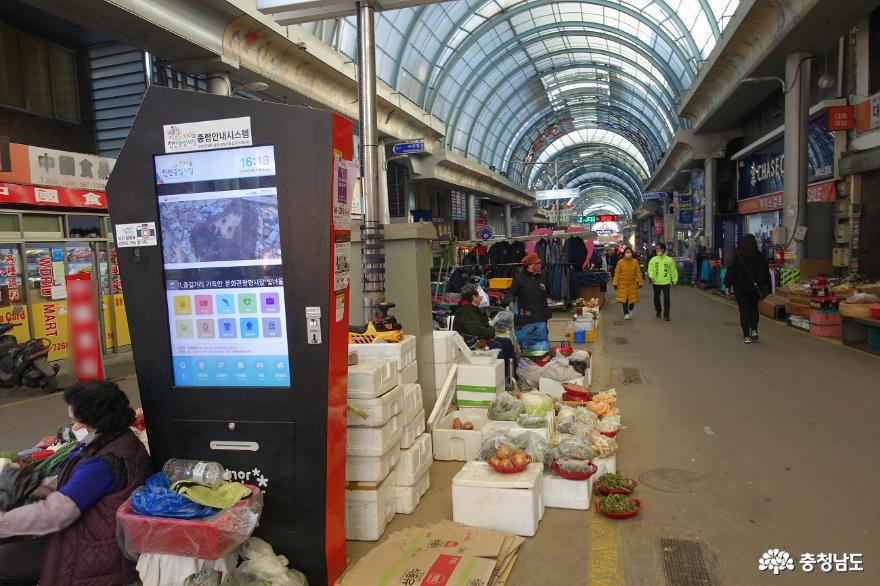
33 165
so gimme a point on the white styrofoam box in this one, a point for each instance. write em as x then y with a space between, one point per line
548 386
403 353
374 441
583 325
412 430
409 375
560 493
512 503
445 349
605 465
369 507
408 497
377 412
414 460
441 371
412 400
460 445
371 378
370 468
482 375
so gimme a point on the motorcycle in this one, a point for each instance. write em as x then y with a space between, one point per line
26 364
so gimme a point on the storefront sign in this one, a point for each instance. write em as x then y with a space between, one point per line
763 203
550 194
763 172
658 225
50 322
207 135
70 170
85 339
825 191
841 118
868 114
654 195
344 177
12 193
11 277
685 210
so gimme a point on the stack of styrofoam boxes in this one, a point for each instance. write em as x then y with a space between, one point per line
478 384
413 473
513 503
446 353
513 429
372 447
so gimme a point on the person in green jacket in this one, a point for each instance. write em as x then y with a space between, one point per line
472 323
664 275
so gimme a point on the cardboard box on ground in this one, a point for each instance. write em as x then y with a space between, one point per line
443 553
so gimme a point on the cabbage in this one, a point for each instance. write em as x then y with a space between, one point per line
537 404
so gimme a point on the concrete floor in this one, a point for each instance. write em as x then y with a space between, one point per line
741 447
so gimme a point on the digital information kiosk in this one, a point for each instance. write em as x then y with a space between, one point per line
232 222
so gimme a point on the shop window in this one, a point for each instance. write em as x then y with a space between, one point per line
45 273
84 226
80 259
11 280
9 224
874 53
41 225
38 76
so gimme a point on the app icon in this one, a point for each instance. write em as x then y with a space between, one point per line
269 302
205 328
182 305
272 327
201 364
239 364
280 365
260 365
227 328
221 365
184 328
247 303
249 328
204 305
225 304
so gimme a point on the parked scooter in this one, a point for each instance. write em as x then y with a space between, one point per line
26 364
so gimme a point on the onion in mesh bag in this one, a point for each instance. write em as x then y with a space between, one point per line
535 446
491 442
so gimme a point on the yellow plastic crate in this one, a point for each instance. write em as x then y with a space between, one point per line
500 283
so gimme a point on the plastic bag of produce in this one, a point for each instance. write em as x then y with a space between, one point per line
505 407
531 421
560 370
583 430
603 445
565 412
574 447
528 373
535 446
585 416
537 403
491 442
607 393
609 423
574 466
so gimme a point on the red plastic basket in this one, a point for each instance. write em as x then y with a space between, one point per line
620 515
204 539
574 475
875 312
610 433
514 470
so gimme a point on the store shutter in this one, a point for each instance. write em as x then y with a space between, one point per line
869 228
116 72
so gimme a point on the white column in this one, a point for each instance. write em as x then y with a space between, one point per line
797 106
710 170
472 215
508 221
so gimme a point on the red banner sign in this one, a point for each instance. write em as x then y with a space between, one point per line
762 203
825 192
83 325
841 118
51 196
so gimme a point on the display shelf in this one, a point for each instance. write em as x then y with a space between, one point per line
856 333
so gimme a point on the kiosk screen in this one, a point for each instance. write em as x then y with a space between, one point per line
221 246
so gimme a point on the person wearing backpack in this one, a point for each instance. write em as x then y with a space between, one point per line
664 275
748 280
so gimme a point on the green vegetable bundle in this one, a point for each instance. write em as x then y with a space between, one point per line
615 482
53 464
10 454
618 503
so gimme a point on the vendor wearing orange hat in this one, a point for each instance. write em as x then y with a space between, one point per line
531 292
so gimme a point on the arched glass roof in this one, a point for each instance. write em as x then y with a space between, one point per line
602 76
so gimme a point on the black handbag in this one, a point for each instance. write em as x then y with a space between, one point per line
763 290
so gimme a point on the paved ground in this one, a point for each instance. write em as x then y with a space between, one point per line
741 448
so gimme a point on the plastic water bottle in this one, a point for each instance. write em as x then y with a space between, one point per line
205 473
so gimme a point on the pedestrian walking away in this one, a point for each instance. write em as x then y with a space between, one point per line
664 276
628 280
748 281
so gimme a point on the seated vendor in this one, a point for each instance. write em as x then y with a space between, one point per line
470 322
70 536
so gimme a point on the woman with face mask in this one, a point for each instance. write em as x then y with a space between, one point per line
70 536
627 281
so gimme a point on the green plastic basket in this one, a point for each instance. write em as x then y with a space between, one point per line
874 339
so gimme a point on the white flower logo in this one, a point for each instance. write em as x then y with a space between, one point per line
777 560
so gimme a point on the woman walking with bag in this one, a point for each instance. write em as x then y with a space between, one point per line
627 281
748 280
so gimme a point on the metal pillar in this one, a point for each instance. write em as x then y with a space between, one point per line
508 221
472 215
710 182
372 234
219 83
797 109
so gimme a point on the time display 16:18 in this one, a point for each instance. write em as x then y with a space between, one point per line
258 161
